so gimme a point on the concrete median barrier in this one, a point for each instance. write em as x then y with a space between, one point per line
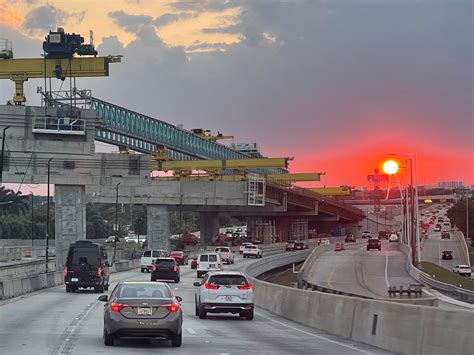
14 287
401 328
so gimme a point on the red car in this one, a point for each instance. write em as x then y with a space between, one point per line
374 243
189 239
179 257
193 263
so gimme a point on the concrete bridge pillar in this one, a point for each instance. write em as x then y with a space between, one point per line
209 227
70 219
158 227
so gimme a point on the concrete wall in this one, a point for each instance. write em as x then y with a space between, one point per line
19 286
401 328
10 253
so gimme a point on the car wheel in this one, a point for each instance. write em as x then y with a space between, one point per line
176 340
106 287
142 270
108 338
196 309
198 275
202 314
68 288
99 289
249 315
176 281
380 249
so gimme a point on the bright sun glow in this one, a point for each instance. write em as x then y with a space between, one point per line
390 167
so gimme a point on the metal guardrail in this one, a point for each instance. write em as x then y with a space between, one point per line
55 125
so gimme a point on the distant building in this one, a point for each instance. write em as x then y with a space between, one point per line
451 184
250 149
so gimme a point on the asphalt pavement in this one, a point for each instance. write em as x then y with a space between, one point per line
361 271
52 321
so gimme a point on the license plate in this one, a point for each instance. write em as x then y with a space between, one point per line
228 298
142 311
74 279
212 265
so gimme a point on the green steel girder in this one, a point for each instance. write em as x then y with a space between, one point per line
118 123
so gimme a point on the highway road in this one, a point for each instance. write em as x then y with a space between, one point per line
433 245
360 271
52 321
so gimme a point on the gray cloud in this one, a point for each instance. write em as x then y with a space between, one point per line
199 5
48 17
168 18
130 23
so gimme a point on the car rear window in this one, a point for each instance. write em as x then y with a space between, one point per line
88 256
147 253
204 257
250 247
156 253
228 280
212 257
179 253
144 291
165 263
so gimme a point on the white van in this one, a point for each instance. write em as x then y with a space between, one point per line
207 262
149 257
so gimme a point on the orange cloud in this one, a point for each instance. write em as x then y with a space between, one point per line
9 17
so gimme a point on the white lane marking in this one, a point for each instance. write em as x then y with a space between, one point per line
191 331
386 269
315 335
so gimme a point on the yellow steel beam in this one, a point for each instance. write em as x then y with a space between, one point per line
231 178
332 191
295 177
216 165
20 70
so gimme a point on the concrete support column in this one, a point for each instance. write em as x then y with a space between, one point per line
158 227
70 219
283 227
209 227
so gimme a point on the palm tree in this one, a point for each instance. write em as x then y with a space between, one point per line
12 202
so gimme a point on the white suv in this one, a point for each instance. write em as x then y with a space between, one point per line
227 255
242 246
224 292
252 250
207 262
463 270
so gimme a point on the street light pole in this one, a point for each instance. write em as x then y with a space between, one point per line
47 217
116 220
3 151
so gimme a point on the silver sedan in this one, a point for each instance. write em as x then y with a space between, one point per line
142 310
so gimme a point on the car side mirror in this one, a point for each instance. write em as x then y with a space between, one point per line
103 298
197 284
179 299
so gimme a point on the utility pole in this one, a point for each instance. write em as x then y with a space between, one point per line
47 217
3 153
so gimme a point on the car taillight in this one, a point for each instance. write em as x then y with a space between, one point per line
246 287
65 270
197 266
153 268
211 287
175 268
172 307
117 307
98 272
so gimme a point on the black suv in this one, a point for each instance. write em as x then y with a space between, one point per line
165 269
86 266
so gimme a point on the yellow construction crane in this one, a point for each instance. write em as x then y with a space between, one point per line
65 57
295 177
333 191
206 134
215 167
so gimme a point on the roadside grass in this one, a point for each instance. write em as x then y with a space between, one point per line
446 276
285 277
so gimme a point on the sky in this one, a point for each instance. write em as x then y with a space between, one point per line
336 84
